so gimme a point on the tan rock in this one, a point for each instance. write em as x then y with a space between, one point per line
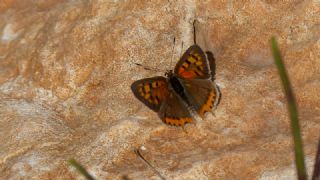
66 68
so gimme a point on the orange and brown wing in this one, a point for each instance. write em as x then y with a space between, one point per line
204 95
174 111
155 94
151 91
193 64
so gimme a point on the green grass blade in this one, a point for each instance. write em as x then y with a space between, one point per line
80 169
316 170
293 112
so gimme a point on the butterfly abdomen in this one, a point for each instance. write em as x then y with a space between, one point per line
176 85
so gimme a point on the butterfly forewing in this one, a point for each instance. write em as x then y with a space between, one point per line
151 91
193 64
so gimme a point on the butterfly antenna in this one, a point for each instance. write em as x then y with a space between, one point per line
137 151
181 49
206 27
194 32
174 43
148 67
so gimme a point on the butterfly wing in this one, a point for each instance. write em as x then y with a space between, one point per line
203 94
212 64
193 64
151 91
174 111
155 93
196 71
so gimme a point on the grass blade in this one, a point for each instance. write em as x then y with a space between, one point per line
316 170
293 112
80 169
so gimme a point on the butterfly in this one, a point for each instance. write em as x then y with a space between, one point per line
189 88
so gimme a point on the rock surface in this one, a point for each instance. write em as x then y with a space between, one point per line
66 68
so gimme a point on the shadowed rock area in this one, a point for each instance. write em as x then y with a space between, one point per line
66 68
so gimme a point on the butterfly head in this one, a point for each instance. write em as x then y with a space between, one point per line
169 73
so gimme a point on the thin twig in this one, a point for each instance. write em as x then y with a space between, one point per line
137 151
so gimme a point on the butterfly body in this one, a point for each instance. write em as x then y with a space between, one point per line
177 86
189 88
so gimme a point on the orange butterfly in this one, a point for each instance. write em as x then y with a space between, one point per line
189 87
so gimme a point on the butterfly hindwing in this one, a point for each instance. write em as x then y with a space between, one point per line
151 91
212 64
193 64
203 95
174 111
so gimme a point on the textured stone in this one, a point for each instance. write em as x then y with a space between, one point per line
66 68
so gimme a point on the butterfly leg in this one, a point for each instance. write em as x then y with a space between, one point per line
184 130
